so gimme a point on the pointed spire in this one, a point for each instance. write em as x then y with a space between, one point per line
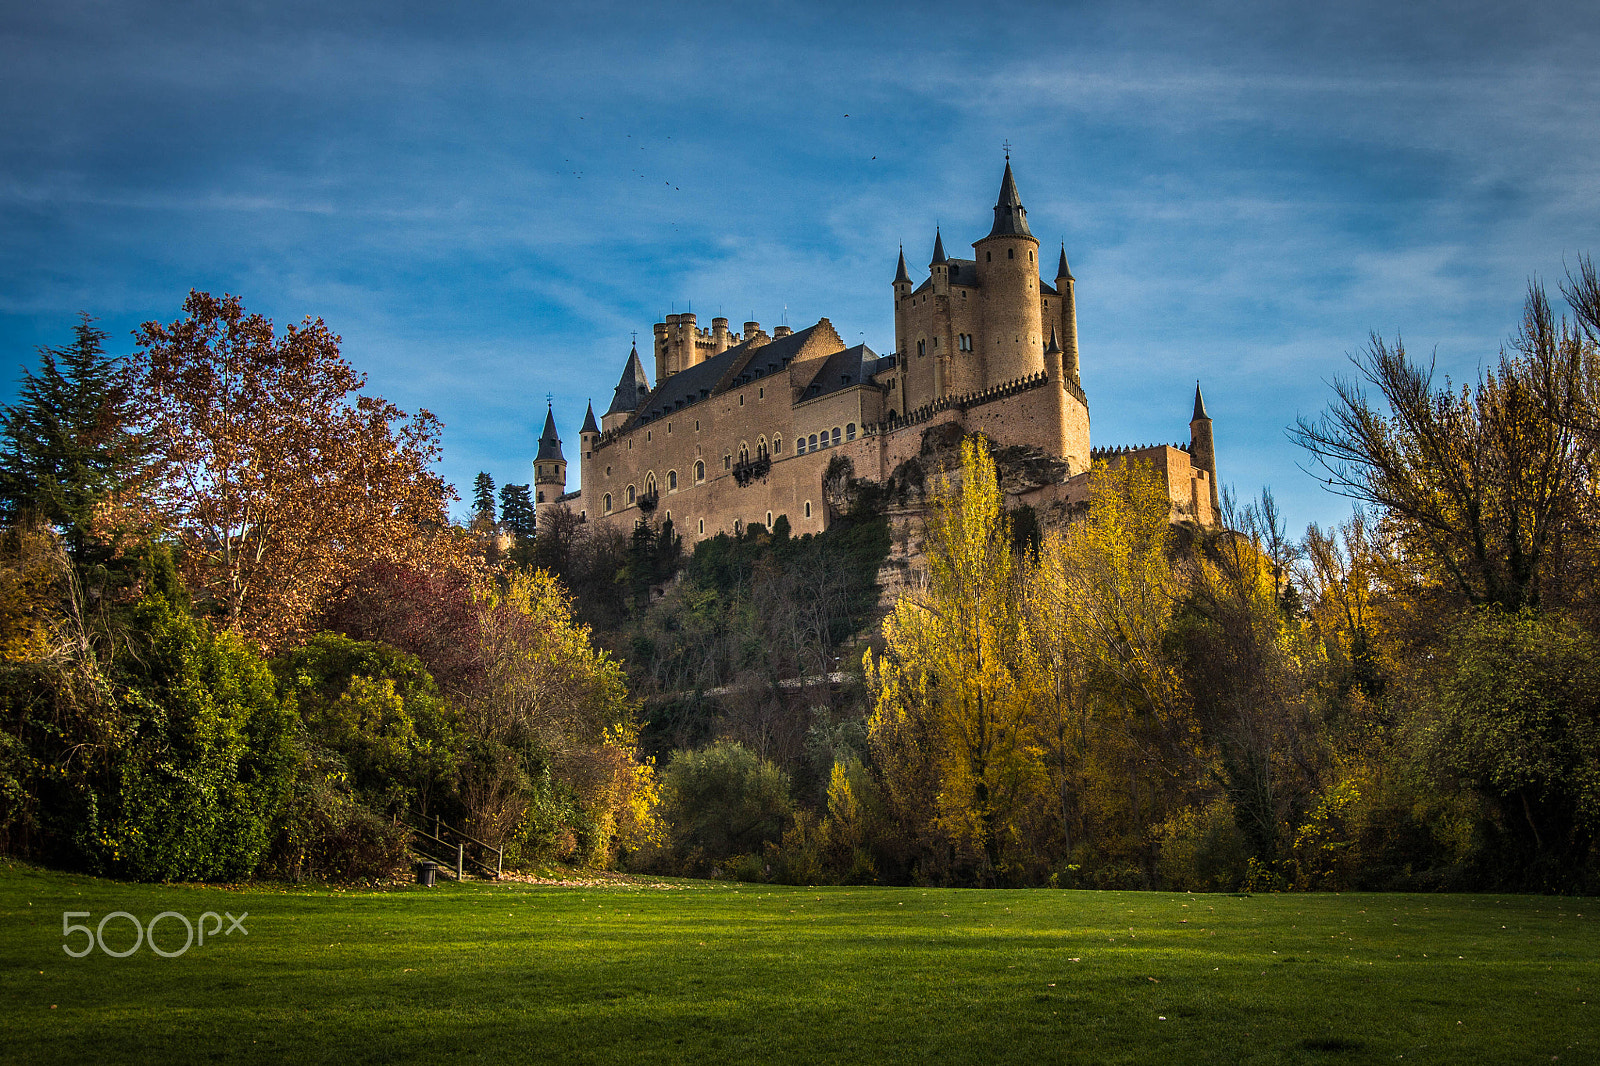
589 424
939 258
901 274
632 388
1062 270
1054 347
1010 218
1199 406
549 441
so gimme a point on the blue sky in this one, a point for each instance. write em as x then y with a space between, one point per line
485 201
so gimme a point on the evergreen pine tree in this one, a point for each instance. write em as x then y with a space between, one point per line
516 511
67 445
483 514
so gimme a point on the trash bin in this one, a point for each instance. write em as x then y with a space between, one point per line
426 872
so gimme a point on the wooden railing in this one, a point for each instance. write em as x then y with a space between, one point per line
454 848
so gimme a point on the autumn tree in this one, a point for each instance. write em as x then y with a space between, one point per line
1482 486
952 728
278 476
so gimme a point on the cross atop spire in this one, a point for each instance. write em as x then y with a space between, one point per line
1007 147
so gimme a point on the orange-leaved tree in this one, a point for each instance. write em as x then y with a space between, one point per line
278 478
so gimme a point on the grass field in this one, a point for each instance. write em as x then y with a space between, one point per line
712 972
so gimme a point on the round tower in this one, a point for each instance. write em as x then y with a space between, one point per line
549 471
1203 448
902 289
1067 288
1008 277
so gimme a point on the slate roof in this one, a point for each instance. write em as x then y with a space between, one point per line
1199 405
737 366
589 424
1010 217
549 442
632 388
842 370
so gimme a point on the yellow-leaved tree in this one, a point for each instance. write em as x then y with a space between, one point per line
951 730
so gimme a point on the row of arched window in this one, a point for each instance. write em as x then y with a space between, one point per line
825 439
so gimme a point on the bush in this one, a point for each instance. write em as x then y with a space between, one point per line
723 802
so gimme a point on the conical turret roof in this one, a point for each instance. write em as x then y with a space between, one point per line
1010 218
939 258
901 274
589 424
1199 406
632 388
549 442
1054 347
1062 270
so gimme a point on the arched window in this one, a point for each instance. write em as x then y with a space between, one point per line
608 503
702 525
608 471
672 481
808 508
800 445
761 447
769 521
650 484
922 349
699 471
631 496
850 431
744 452
812 443
777 445
727 462
1011 253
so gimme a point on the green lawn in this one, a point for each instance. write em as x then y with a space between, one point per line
711 972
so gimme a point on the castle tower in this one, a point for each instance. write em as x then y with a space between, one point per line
939 354
589 435
1066 287
631 390
902 290
1203 448
1008 273
549 471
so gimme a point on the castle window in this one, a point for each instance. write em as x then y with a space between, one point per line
988 257
777 445
769 519
697 425
800 445
936 343
835 436
699 471
761 394
812 443
540 497
1011 253
922 349
608 503
850 431
669 424
741 399
727 462
1030 257
808 508
631 496
744 452
648 433
702 525
608 471
672 481
650 484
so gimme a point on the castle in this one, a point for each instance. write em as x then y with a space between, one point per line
741 428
